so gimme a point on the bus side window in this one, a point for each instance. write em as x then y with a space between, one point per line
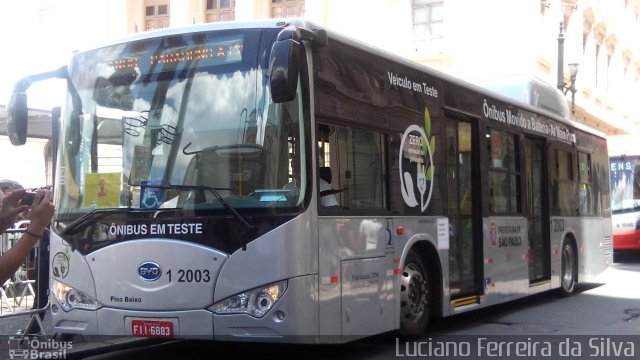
504 172
355 158
326 158
585 190
563 184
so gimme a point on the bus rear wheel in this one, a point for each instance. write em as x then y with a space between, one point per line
569 268
415 296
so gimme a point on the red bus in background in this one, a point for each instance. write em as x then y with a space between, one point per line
625 192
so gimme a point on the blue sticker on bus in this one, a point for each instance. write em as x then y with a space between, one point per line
150 197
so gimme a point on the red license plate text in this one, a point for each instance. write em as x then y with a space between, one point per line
153 328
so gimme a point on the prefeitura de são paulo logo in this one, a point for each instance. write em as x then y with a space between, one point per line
416 164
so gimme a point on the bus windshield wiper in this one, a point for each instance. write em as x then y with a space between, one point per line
99 214
216 194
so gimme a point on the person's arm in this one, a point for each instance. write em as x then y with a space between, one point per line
11 260
40 215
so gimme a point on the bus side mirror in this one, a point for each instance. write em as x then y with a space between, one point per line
17 118
17 110
284 67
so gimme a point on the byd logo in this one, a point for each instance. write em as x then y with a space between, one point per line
149 271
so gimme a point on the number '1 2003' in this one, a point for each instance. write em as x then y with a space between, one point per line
190 276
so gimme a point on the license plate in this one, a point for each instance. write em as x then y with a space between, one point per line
155 328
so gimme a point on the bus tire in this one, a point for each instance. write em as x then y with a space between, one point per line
568 269
415 296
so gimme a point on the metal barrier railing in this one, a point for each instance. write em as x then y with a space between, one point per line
25 293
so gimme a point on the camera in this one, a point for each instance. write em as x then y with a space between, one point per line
28 197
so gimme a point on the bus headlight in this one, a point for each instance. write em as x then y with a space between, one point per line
256 302
70 298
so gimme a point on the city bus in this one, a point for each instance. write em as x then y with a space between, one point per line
278 181
625 192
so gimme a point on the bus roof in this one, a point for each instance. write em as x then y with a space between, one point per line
550 106
549 101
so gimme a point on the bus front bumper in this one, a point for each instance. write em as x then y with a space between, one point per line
292 319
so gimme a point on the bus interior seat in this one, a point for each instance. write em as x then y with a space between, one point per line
325 174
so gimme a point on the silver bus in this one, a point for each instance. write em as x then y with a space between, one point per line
277 181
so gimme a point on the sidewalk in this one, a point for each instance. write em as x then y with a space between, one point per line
15 314
14 305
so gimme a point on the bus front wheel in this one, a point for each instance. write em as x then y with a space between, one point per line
415 296
569 268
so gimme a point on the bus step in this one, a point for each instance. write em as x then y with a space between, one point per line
465 301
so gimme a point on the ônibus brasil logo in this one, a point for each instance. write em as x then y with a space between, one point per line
416 164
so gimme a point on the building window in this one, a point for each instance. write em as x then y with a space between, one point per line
287 8
220 10
504 172
156 15
427 19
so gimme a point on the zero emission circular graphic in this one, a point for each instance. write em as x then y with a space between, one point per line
416 164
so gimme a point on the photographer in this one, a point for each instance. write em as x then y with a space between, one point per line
39 214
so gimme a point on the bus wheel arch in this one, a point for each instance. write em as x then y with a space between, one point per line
568 265
420 289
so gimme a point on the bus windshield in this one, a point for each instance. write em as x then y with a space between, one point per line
180 121
625 184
